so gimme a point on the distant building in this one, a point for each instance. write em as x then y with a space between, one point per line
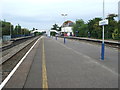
67 28
119 10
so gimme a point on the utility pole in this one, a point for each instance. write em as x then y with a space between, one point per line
10 30
64 15
119 11
17 30
103 40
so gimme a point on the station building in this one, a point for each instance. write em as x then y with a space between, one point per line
66 29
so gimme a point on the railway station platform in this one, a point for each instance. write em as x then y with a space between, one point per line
52 64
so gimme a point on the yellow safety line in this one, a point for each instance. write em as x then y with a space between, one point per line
44 71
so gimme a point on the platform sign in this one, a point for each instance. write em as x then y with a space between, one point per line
103 22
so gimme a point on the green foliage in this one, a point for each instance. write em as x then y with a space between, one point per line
111 16
38 33
6 27
18 30
80 28
56 27
119 30
94 29
111 27
115 34
59 29
0 29
25 31
52 33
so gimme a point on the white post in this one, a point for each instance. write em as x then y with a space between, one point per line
103 45
64 27
17 29
103 18
10 31
103 34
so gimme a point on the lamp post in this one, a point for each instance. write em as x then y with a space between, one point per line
103 45
119 11
64 15
0 32
17 30
21 32
10 31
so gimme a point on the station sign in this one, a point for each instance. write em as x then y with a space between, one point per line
103 22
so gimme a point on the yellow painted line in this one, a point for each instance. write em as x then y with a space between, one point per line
44 71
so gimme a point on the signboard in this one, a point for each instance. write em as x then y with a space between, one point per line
103 22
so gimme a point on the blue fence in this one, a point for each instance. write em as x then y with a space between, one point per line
16 36
6 38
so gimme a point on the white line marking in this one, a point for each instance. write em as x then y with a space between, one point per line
91 59
13 71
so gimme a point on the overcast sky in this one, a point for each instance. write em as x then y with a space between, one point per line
42 14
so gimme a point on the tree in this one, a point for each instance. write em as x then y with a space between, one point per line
25 31
52 33
0 29
6 28
111 16
115 34
19 29
59 29
94 29
80 28
55 27
119 30
111 27
16 30
33 29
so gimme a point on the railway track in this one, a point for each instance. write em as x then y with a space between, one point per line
15 42
8 65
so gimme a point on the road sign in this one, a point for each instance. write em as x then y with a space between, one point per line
103 22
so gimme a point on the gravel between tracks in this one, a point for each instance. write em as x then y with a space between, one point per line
8 65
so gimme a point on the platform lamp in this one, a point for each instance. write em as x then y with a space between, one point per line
64 15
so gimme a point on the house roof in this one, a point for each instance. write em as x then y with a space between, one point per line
67 23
